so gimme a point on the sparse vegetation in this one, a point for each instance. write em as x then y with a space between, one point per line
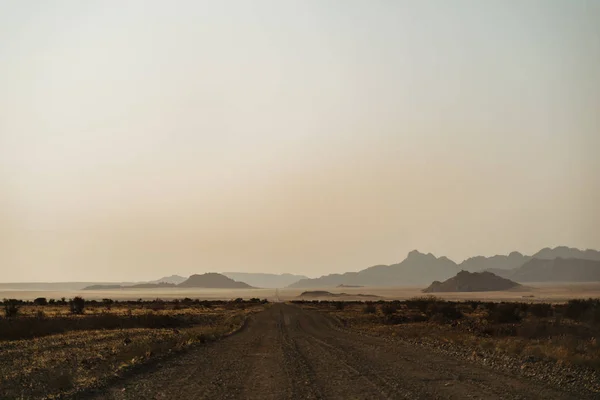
77 305
50 350
389 308
370 308
565 333
40 301
11 308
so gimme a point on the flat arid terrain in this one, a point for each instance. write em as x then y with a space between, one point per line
422 348
553 292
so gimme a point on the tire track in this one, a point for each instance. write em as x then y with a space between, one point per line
299 370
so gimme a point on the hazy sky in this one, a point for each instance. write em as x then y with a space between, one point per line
145 138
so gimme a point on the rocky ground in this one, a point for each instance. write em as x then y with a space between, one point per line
287 352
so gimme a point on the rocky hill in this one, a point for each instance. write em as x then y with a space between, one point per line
466 281
416 269
213 280
264 280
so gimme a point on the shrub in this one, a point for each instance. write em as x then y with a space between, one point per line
339 305
40 301
421 303
444 312
389 308
534 329
541 310
77 305
370 308
504 313
578 309
107 303
11 308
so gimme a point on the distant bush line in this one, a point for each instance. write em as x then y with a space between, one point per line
15 325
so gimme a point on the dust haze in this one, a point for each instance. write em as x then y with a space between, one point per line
271 138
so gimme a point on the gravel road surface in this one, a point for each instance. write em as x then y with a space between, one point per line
287 352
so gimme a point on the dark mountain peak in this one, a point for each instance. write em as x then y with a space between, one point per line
515 254
466 281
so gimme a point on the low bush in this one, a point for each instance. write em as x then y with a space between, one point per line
40 301
389 308
77 305
583 310
505 313
370 308
541 310
444 312
11 308
421 303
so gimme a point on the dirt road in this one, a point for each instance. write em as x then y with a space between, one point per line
290 353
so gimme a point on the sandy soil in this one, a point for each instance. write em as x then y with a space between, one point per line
290 353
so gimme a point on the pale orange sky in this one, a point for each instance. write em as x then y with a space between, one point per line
142 139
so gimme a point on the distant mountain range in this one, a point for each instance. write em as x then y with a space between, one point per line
554 270
421 269
516 259
416 269
562 264
567 252
480 263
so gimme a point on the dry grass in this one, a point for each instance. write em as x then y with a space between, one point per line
562 333
86 354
